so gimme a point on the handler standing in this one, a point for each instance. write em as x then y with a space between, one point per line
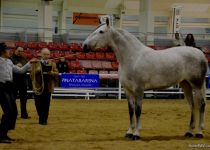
20 81
50 75
7 97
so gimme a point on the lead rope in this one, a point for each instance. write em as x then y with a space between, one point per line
37 88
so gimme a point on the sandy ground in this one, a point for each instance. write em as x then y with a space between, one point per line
101 125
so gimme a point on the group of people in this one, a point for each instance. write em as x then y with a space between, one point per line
189 40
13 82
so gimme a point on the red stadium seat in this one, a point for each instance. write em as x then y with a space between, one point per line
10 44
151 46
75 65
113 74
80 55
64 46
206 50
82 71
96 65
56 54
110 56
75 47
72 71
28 54
161 47
70 55
103 72
91 56
115 65
32 45
102 49
21 44
87 64
42 45
93 72
53 46
100 56
106 65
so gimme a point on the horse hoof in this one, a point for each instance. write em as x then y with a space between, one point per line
199 136
136 137
129 136
188 134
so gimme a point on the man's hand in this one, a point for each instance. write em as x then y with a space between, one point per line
19 65
34 60
52 73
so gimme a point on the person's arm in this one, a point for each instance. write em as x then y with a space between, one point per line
23 69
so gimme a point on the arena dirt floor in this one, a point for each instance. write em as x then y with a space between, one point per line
101 125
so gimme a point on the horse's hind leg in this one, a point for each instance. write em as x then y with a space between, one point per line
202 107
131 108
188 93
200 101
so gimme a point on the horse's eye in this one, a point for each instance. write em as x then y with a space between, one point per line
101 31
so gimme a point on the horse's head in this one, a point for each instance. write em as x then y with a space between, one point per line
99 38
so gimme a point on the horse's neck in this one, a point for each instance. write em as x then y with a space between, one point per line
126 46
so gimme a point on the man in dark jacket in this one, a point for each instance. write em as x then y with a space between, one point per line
62 66
20 81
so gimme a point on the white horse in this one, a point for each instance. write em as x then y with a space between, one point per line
142 68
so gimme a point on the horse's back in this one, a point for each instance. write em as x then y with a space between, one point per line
170 66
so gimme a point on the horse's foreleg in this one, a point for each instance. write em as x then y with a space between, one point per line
131 108
138 107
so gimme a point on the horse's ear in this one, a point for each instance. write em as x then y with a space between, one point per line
107 22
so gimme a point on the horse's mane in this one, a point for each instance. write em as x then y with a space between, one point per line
128 36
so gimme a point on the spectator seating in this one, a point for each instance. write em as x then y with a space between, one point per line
80 55
106 65
96 65
110 56
115 65
75 47
101 61
82 71
70 55
91 55
100 56
74 65
42 45
86 64
93 72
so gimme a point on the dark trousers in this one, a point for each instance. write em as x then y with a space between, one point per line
8 105
21 90
42 103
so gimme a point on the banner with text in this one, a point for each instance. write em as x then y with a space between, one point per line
176 19
86 19
80 80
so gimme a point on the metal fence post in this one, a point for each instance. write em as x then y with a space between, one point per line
119 90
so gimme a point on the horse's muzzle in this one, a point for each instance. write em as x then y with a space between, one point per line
86 48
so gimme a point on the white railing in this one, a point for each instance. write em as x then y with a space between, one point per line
88 93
